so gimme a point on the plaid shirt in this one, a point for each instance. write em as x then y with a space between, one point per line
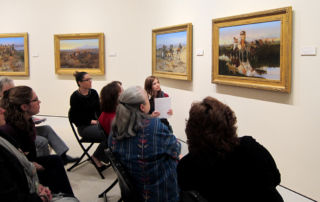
151 159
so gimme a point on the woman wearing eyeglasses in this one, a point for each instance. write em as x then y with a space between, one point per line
20 104
84 113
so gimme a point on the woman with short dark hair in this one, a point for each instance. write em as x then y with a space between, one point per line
222 166
84 113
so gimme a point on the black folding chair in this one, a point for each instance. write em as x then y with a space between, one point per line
128 193
191 196
85 149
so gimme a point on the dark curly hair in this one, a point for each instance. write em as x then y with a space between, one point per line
211 128
109 96
11 102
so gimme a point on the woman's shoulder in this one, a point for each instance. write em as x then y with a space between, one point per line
93 91
75 94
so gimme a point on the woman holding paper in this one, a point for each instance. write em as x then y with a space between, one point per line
152 86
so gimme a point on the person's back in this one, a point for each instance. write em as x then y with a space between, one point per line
249 173
151 160
145 147
221 166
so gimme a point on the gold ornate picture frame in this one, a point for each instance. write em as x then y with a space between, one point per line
79 52
172 52
14 54
253 50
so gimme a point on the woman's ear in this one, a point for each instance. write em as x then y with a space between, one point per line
142 107
24 107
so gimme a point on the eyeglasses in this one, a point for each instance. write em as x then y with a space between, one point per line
90 79
35 100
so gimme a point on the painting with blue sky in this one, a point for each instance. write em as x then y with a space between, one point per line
171 52
12 55
174 39
253 32
18 42
251 50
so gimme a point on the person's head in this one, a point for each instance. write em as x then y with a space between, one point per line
152 86
109 96
211 127
20 103
133 108
83 79
5 84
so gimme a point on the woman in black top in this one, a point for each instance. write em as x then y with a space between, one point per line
221 166
85 111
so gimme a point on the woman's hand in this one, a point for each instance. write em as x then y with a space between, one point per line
38 166
94 122
155 114
44 193
170 112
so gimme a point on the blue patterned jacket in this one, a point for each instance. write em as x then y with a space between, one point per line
151 159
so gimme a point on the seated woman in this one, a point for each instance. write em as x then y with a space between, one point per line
221 166
145 147
109 101
45 134
20 104
84 112
152 87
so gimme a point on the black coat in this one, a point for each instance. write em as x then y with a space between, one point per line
249 174
14 185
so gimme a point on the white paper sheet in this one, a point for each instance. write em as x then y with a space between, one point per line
162 105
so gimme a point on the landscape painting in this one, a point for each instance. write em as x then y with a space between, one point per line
253 50
14 54
172 52
82 52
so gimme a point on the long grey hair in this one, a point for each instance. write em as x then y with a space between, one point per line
129 117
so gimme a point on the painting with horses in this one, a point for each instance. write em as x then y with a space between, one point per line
251 50
172 52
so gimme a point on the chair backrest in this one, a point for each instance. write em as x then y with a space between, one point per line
75 132
128 192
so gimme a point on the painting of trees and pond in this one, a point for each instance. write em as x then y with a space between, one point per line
251 50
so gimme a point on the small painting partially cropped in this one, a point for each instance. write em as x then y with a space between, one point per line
171 52
79 53
251 50
12 54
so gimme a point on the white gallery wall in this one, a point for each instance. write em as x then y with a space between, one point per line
288 125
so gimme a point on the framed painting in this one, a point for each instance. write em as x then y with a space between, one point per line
172 52
253 50
79 52
14 55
